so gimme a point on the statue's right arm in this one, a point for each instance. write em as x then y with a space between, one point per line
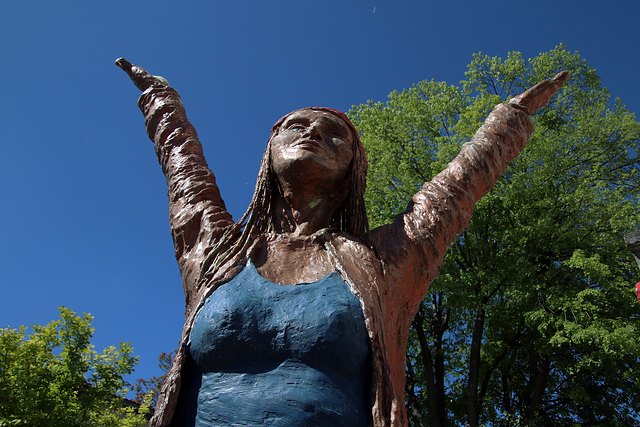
416 242
198 216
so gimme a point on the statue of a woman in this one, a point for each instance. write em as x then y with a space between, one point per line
329 349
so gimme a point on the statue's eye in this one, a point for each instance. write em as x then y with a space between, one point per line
338 134
296 127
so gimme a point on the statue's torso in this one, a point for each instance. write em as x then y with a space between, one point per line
268 354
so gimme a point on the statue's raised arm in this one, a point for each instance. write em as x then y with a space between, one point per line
198 215
417 240
412 248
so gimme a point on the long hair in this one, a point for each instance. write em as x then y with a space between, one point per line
350 217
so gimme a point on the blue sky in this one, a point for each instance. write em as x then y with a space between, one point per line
83 203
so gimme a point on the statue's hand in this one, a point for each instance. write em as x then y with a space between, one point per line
142 79
538 96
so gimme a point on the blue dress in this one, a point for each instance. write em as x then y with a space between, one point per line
268 354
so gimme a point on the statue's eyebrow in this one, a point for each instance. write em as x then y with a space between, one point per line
295 118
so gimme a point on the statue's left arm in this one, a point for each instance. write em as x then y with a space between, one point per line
197 213
414 245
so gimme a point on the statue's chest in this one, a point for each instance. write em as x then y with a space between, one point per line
250 319
289 260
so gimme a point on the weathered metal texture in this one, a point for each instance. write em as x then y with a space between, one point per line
389 268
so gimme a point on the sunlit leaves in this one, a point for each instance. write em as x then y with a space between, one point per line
54 376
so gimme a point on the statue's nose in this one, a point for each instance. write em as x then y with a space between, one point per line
314 130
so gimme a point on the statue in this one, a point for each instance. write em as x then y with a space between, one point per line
329 349
633 244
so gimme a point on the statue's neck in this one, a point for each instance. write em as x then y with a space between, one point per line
304 214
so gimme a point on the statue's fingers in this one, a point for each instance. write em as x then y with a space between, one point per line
141 78
127 67
548 88
124 64
539 95
562 77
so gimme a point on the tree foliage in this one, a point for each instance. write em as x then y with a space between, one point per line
150 389
54 377
533 319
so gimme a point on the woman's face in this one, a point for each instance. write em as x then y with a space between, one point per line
313 144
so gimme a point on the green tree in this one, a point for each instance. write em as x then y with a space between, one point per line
150 389
54 377
533 319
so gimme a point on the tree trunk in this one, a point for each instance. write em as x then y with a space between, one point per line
412 400
506 393
473 411
433 367
539 383
439 370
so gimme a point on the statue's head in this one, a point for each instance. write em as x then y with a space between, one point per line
332 122
318 145
320 142
312 143
320 135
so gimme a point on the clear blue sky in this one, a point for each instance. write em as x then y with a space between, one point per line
83 201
